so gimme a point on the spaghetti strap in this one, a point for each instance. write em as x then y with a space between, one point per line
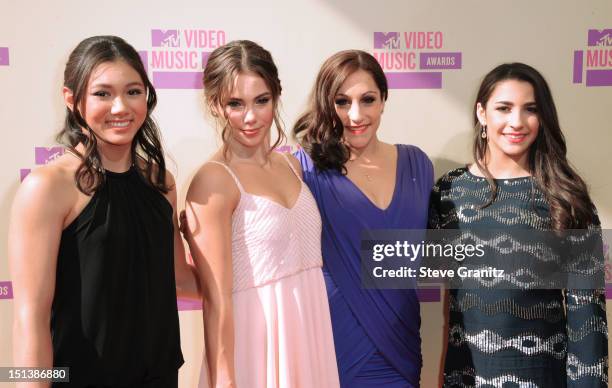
297 174
229 170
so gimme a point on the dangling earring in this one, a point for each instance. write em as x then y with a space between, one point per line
483 132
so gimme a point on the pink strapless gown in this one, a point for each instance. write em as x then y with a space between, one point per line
283 334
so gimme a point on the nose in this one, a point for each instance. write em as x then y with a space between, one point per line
354 113
516 119
119 106
249 116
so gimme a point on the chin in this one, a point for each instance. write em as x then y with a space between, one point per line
515 153
358 141
119 140
516 149
250 142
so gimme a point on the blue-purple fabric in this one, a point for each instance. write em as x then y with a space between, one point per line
376 331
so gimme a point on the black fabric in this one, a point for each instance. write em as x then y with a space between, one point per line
114 318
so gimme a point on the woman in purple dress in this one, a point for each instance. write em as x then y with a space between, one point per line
361 183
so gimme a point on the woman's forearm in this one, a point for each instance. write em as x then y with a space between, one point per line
32 347
219 337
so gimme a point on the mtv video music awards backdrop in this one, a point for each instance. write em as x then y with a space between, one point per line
433 52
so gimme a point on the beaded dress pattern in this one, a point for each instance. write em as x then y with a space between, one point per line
516 337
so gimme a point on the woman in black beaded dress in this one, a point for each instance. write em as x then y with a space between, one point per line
520 180
93 242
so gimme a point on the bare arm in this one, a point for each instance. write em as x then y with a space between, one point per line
185 274
37 217
211 200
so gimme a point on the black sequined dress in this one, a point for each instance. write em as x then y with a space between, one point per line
513 337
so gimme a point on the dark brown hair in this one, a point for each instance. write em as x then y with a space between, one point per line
146 145
566 193
224 65
319 130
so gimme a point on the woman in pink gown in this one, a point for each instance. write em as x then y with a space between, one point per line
254 232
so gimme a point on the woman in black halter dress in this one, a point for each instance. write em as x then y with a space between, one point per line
93 246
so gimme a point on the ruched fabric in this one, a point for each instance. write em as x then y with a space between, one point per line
114 318
376 331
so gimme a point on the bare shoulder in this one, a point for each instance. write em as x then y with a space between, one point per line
389 149
295 162
49 184
54 180
170 181
212 179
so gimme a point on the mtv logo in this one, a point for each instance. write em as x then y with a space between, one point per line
23 173
43 155
600 37
386 40
165 38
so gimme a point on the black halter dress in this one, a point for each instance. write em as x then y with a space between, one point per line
114 318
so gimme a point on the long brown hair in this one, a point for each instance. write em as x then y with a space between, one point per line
222 68
319 130
146 145
566 193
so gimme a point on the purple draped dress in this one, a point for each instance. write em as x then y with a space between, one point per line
376 331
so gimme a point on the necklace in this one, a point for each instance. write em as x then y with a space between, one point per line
369 177
367 163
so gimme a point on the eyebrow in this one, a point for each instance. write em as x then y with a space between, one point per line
510 103
266 94
368 92
107 86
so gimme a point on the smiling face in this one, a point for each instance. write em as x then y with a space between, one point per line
512 121
115 102
249 110
359 105
115 106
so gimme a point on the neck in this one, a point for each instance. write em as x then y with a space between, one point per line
259 154
114 158
503 166
367 153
